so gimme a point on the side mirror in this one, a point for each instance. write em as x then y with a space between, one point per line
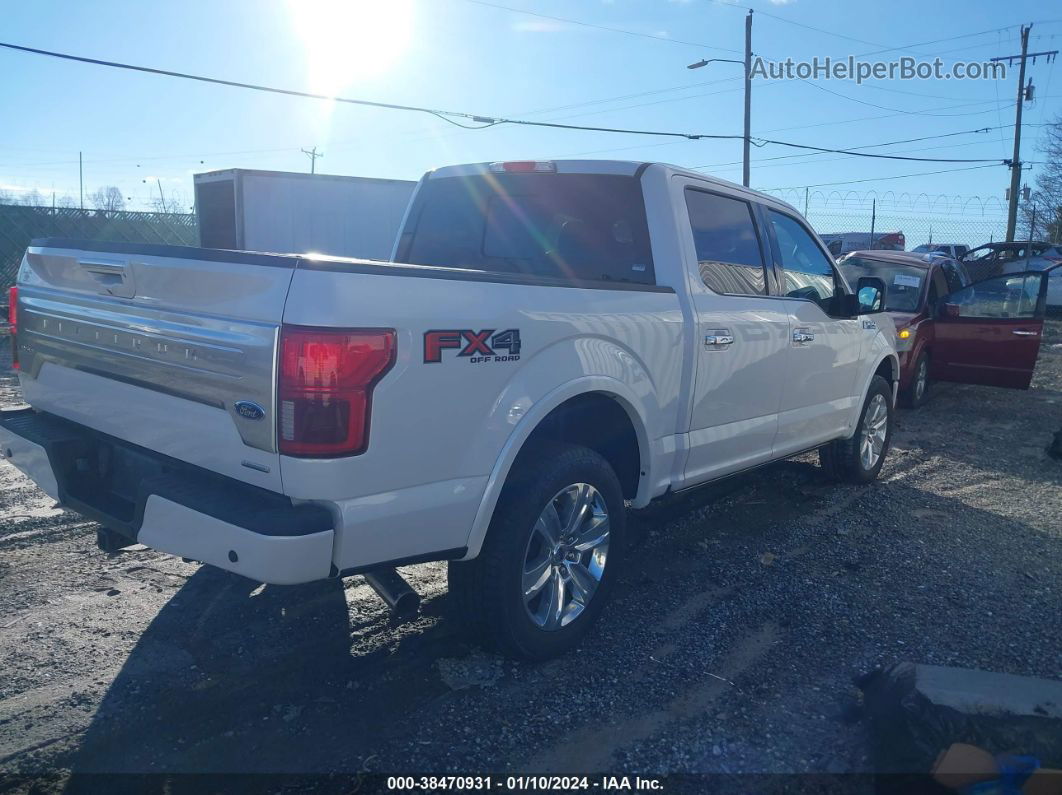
950 310
870 291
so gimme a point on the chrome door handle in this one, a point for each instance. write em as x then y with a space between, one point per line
1023 333
802 335
717 338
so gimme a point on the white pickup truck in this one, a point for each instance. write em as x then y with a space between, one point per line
552 342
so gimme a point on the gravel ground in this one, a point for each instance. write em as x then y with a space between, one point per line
730 647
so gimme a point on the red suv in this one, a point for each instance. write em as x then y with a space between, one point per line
949 329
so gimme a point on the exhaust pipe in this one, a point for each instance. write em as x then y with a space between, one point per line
396 593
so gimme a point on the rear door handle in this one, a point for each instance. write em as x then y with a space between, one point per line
802 335
1023 333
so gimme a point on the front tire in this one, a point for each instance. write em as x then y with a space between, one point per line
917 392
860 458
549 560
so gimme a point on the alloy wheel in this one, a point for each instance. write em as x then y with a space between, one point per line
565 556
873 432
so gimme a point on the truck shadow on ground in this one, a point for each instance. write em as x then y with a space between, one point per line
235 676
231 676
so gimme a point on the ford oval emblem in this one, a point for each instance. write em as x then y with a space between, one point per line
249 410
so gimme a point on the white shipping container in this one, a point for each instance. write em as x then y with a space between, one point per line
292 213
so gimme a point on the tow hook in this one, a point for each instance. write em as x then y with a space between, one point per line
402 600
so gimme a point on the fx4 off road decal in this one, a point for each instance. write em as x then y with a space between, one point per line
475 346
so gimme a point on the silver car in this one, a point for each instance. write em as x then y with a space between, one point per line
997 258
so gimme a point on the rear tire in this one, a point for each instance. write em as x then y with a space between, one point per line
917 392
550 557
860 458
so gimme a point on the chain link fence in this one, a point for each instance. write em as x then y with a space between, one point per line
19 225
920 218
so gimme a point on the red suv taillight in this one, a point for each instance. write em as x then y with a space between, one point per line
12 319
324 388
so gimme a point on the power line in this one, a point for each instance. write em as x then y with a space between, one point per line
624 31
909 47
834 123
878 179
481 121
802 25
870 146
815 159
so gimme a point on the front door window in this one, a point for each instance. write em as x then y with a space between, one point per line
808 271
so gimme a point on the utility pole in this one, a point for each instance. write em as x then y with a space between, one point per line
162 198
873 220
1015 163
313 155
748 99
81 180
1024 93
747 64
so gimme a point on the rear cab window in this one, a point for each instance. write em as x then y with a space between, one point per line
579 227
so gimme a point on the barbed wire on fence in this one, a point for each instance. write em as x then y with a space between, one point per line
984 206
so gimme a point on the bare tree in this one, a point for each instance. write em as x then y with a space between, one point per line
173 203
109 199
32 198
1041 215
67 202
6 197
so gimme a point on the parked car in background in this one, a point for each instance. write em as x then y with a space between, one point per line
995 258
841 243
1038 257
951 329
953 250
555 339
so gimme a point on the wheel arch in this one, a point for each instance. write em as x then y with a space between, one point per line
605 400
888 367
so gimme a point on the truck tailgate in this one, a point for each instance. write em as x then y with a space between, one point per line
169 348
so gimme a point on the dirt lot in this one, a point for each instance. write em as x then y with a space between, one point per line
730 647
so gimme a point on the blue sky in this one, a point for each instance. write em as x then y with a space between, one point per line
462 55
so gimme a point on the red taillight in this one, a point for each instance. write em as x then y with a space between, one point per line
324 388
12 319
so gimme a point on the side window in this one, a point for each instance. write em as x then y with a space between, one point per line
1008 296
728 248
951 273
808 273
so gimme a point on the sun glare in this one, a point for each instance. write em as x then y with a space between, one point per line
349 41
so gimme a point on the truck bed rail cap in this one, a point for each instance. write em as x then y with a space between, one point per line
178 252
